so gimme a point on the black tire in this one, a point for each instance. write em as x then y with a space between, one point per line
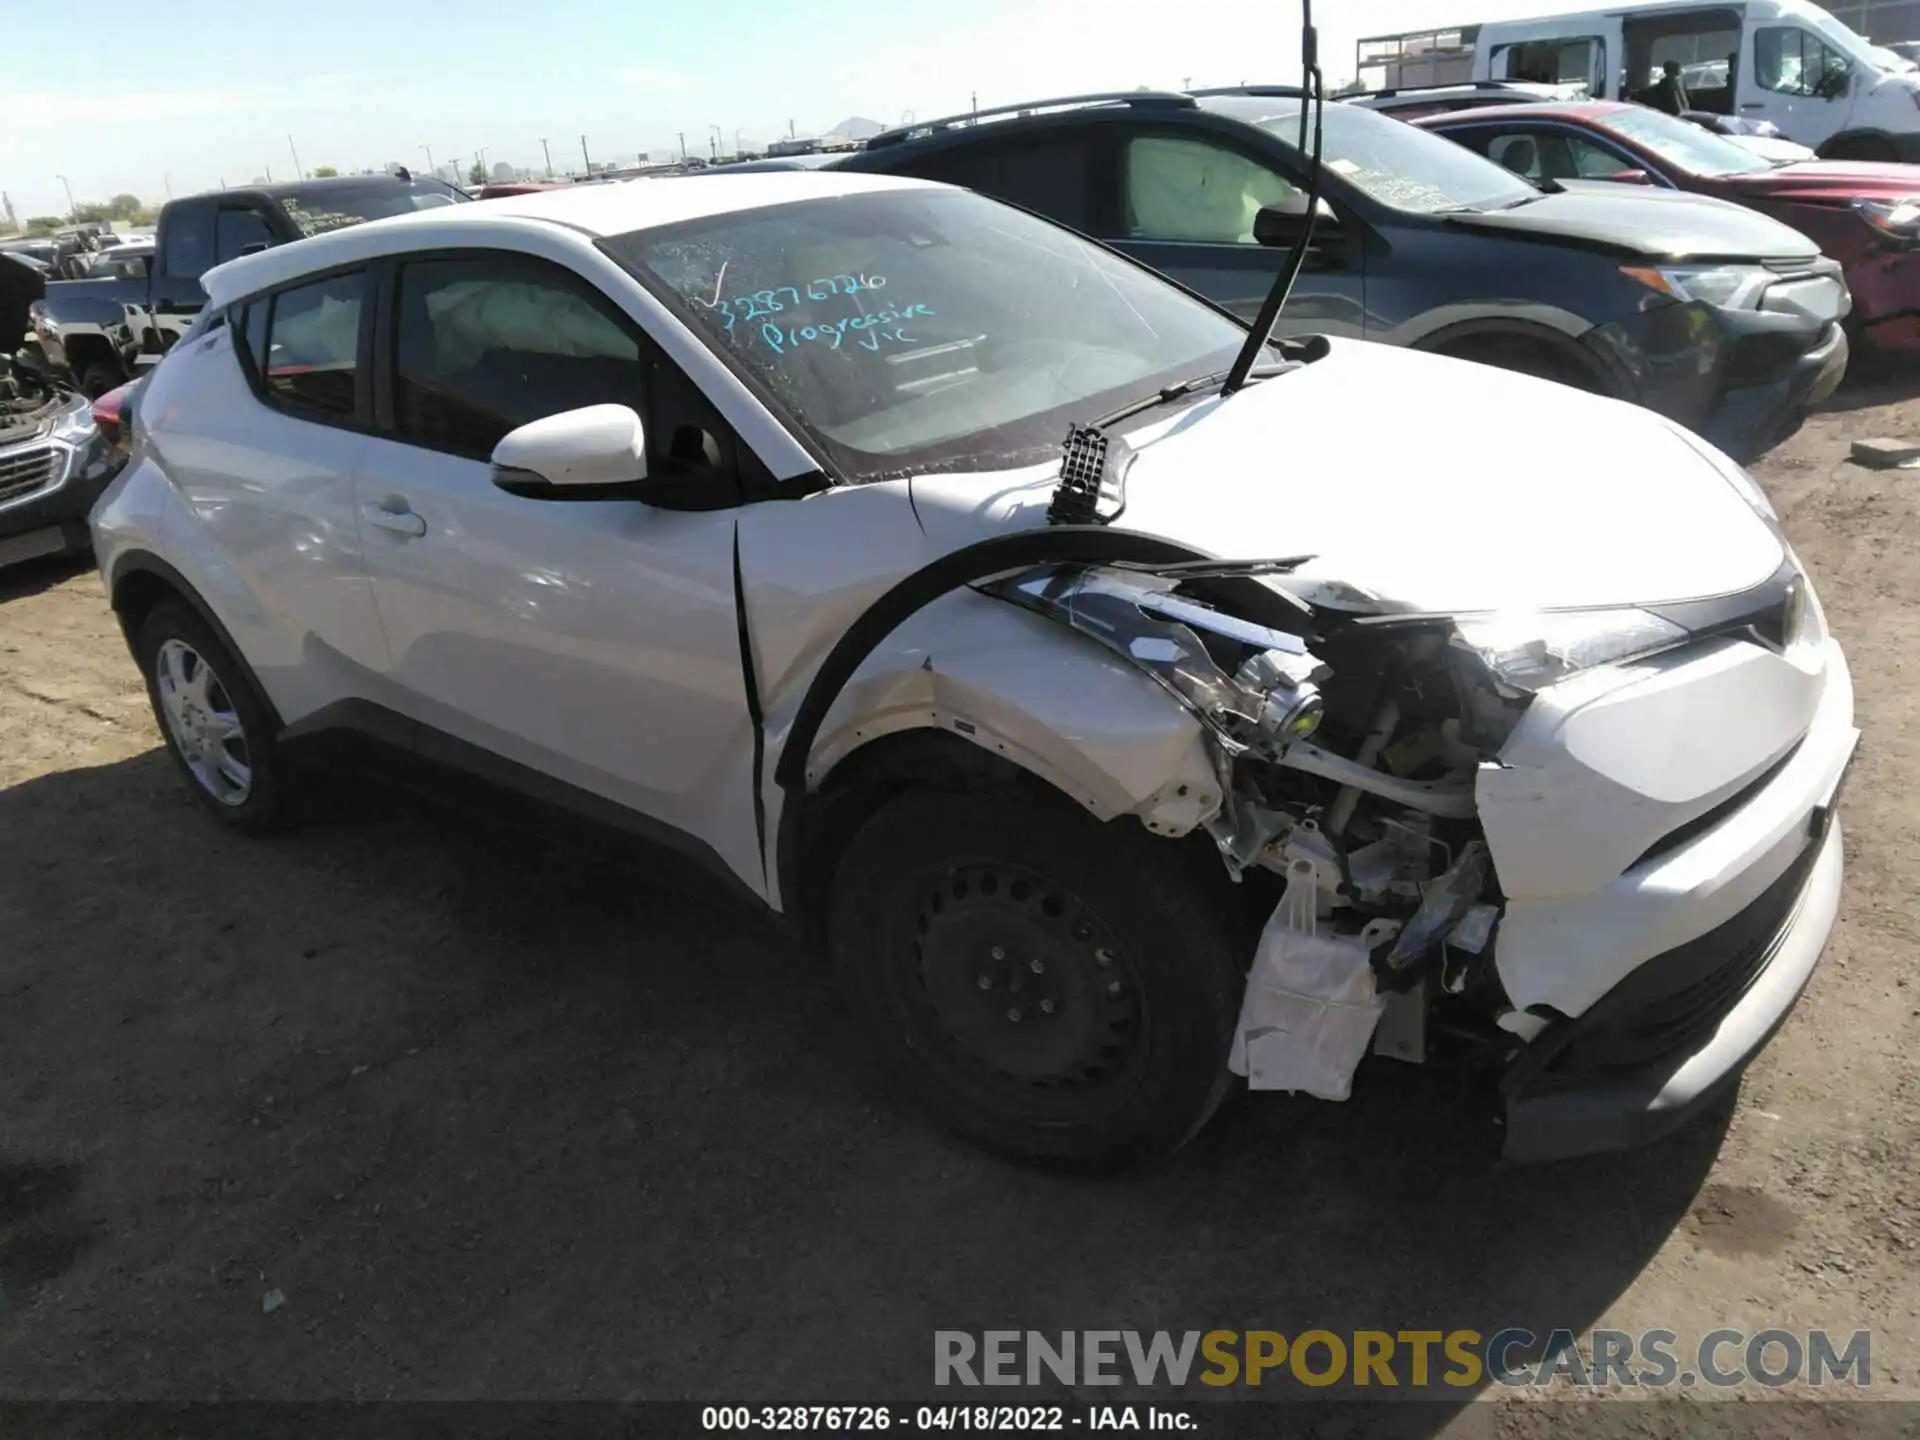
98 378
1114 1051
229 696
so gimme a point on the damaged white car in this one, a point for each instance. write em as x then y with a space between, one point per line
1120 729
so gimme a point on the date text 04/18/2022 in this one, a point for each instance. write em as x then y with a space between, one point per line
984 1419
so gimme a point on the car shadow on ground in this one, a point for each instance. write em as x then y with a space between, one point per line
533 1110
1875 380
30 577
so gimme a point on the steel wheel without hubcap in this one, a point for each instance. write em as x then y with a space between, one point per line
1023 997
200 716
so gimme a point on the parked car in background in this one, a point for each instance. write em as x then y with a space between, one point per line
53 460
1412 101
1758 137
101 332
1414 247
1865 216
1789 62
726 508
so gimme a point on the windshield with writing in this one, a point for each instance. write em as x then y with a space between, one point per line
1395 163
920 329
317 211
1683 145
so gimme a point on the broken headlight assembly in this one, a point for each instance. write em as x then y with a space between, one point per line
1894 219
1725 287
1526 652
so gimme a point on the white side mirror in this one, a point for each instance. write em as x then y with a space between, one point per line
592 446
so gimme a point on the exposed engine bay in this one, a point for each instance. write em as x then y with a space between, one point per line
1347 755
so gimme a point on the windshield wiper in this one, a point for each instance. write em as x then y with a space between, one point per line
1179 390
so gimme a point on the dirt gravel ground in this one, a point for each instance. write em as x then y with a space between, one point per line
513 1109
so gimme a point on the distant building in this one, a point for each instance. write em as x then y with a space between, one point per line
1885 22
797 145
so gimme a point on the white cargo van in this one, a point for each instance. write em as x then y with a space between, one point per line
1781 60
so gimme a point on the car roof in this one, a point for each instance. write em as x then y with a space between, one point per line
319 189
591 210
1502 114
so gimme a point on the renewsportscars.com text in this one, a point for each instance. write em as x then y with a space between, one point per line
1392 1359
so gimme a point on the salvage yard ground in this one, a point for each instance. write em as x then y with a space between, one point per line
506 1107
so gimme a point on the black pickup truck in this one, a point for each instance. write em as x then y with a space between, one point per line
96 334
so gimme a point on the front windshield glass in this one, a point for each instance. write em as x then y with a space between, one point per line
1396 163
915 329
1683 145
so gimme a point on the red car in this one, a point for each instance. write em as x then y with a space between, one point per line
1865 215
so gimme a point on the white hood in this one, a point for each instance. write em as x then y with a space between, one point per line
1434 484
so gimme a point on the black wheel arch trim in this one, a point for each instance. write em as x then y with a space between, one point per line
1074 544
1533 332
142 562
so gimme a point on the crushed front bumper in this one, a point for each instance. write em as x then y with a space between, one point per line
1675 1035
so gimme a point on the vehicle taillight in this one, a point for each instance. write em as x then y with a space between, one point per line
106 412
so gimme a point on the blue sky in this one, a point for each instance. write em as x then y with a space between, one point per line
133 95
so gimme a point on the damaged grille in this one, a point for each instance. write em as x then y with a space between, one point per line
1663 1008
25 471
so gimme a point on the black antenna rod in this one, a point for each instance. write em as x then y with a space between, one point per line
1311 97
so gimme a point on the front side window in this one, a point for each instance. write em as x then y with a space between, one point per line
486 344
916 329
1544 153
1194 190
1791 61
313 347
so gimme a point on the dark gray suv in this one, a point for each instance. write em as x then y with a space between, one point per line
1711 314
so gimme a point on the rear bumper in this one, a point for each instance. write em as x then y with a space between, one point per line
1569 1094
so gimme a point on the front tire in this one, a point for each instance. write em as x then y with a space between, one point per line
217 728
1060 991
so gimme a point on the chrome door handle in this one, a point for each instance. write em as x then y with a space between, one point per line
401 522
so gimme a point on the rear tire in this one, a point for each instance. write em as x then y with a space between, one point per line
1060 991
217 727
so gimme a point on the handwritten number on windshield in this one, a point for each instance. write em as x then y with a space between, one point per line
759 303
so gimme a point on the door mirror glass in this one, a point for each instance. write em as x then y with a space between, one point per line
1283 224
577 451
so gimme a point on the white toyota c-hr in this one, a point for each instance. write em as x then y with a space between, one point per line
899 555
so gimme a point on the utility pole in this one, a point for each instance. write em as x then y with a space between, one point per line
790 130
549 154
298 173
713 141
431 170
167 180
583 157
975 96
73 210
269 170
683 147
